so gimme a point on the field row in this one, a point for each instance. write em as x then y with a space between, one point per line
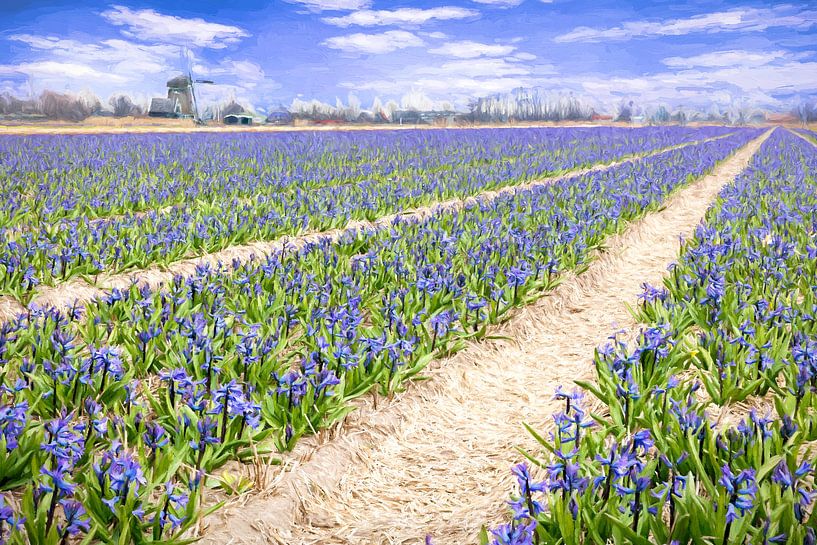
708 421
74 177
113 414
50 238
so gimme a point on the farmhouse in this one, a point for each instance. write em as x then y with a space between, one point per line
238 119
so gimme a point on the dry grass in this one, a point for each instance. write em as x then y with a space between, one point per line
436 459
9 308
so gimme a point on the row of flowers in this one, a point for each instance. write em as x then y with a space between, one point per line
706 421
230 190
114 416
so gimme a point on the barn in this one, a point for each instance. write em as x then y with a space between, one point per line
163 107
238 119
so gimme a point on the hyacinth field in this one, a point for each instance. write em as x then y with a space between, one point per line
732 327
116 413
81 205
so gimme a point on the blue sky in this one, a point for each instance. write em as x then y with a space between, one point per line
267 53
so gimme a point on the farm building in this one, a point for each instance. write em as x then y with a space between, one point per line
163 107
238 119
414 117
281 117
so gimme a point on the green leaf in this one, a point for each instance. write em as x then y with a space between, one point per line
627 531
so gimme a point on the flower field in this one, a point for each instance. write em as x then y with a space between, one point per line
115 414
81 205
701 430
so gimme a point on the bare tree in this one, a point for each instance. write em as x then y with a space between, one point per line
806 112
123 106
66 106
530 105
11 105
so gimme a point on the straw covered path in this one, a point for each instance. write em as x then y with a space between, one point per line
77 291
436 460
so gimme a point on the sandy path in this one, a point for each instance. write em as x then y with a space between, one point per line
78 291
807 138
436 459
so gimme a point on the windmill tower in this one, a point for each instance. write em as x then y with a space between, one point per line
180 91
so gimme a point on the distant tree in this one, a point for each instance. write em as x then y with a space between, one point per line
67 107
11 105
661 115
625 112
680 117
123 106
529 105
806 112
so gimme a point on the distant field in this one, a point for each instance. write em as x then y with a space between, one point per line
139 125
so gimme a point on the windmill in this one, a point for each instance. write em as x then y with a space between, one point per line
196 117
181 98
189 85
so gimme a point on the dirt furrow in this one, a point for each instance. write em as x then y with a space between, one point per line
436 459
78 291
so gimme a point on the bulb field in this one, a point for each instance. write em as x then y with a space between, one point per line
119 412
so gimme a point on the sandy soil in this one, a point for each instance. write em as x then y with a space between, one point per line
436 459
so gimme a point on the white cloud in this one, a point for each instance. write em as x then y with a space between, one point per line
726 58
241 69
116 56
467 49
374 43
401 16
57 72
522 56
150 25
332 5
457 80
724 86
473 68
741 19
241 80
749 82
107 65
117 65
500 3
457 89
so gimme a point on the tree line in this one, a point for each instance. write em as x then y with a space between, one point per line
517 105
